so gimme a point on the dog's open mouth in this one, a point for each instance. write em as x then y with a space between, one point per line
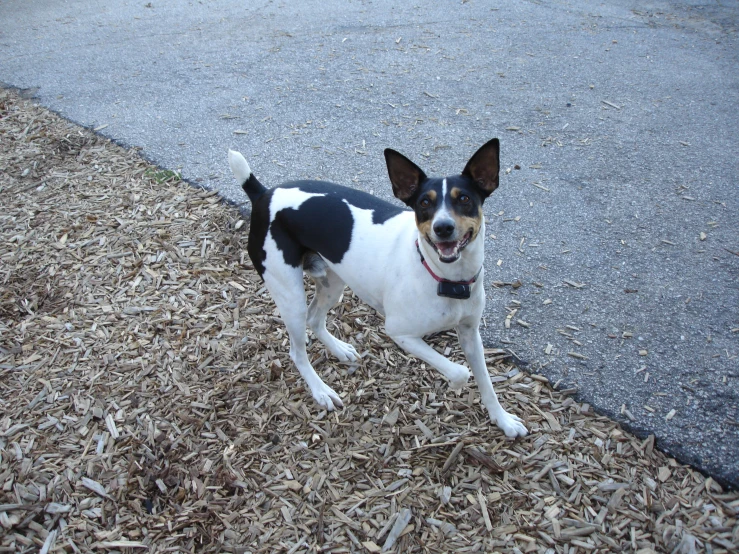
449 251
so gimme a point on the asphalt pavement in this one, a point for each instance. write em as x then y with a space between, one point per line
613 256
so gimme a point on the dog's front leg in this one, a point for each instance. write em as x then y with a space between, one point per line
471 342
456 374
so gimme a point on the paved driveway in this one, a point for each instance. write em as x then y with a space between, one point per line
617 215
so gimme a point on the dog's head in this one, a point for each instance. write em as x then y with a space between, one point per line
448 210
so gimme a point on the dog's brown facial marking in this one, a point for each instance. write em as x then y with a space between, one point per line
425 208
466 212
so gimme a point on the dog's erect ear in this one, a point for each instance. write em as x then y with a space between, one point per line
484 166
405 176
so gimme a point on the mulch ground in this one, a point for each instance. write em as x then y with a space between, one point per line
148 402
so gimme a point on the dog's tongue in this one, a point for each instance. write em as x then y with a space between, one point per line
447 249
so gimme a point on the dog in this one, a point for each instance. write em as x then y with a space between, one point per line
420 266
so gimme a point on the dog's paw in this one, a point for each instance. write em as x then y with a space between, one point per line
458 377
512 425
344 351
326 397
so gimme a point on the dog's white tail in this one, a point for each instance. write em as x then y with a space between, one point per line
241 170
239 166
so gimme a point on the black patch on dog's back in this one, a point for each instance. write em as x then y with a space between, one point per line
324 223
381 210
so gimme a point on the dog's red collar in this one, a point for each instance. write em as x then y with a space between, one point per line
450 289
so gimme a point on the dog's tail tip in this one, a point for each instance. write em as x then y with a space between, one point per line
239 166
241 170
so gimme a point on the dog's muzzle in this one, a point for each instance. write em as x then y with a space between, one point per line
450 251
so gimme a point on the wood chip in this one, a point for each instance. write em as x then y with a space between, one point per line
94 486
49 542
112 429
484 510
392 417
553 423
452 457
114 545
402 520
371 546
424 429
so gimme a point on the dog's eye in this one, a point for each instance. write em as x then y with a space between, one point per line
464 199
425 203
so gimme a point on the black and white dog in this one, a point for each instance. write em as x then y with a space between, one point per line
421 268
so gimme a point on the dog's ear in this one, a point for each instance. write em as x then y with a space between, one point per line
405 176
484 167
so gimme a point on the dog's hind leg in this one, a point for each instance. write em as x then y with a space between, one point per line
285 285
329 288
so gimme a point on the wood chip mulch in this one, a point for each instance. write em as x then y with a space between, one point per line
148 402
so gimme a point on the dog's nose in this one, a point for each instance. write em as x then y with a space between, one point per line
444 229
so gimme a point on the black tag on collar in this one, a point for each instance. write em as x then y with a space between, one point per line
450 289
